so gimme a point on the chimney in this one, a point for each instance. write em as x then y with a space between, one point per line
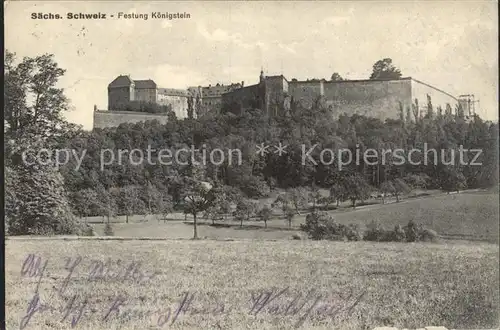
242 83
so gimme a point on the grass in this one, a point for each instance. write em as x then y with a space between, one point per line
407 285
469 215
403 285
464 216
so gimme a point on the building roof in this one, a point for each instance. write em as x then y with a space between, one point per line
241 89
173 92
218 90
278 76
144 84
121 81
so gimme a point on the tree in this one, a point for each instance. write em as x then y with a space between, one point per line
386 188
298 198
326 201
356 188
190 109
33 119
108 229
157 201
453 180
336 77
400 187
130 201
384 69
219 210
39 204
33 105
314 195
244 210
197 197
293 199
289 215
85 202
108 202
265 214
224 197
338 193
430 108
417 180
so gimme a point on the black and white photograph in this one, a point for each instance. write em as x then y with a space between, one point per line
251 165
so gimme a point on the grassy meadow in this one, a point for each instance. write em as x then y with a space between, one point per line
258 278
464 216
356 285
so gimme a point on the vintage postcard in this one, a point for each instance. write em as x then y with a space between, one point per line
251 165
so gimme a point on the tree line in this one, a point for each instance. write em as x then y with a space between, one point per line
44 199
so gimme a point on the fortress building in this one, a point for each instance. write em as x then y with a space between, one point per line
374 98
123 91
381 99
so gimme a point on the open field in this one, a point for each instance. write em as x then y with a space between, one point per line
344 206
468 215
405 285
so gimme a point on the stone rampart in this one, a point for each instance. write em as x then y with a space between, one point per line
103 119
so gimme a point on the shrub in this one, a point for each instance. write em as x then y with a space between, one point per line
375 233
87 230
429 235
37 203
108 230
315 225
352 233
254 187
412 232
319 225
399 235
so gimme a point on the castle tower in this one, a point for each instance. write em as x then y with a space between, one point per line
120 92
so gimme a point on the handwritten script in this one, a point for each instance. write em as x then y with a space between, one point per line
161 311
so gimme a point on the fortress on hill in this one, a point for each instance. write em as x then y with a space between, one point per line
275 94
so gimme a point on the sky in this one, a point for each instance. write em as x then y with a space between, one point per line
450 45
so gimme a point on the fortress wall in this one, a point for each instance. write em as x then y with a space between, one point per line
420 90
103 119
245 97
305 92
379 99
178 103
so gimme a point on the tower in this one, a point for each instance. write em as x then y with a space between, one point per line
468 104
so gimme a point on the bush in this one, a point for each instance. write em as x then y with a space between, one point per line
108 230
352 233
37 203
319 225
429 235
412 232
87 230
254 187
315 226
399 234
375 233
